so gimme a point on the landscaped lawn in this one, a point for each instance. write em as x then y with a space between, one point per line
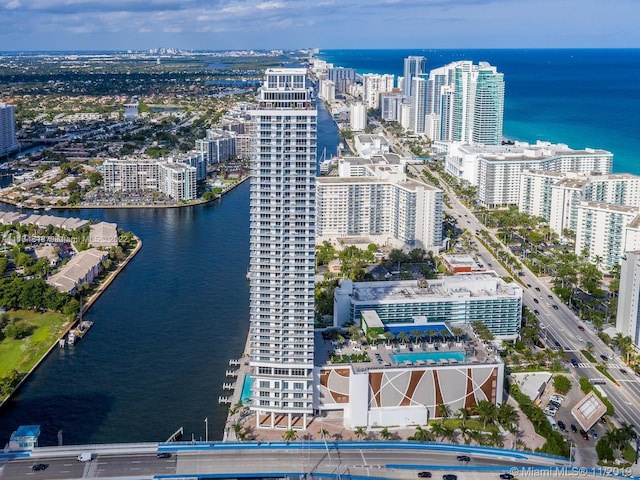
22 355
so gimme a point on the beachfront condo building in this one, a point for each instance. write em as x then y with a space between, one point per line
218 146
374 201
469 99
8 141
627 320
373 84
414 65
418 104
282 250
496 170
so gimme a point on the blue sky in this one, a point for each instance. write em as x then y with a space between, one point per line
258 24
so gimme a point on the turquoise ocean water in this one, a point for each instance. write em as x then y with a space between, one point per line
581 97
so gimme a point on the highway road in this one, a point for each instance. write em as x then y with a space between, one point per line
563 326
375 459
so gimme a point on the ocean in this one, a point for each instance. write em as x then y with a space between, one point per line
580 97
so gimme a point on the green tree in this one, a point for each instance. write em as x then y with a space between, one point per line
561 384
604 449
289 435
385 434
486 411
360 432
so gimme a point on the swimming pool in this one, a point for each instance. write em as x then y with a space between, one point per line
245 396
426 356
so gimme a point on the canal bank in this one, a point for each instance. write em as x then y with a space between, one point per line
164 332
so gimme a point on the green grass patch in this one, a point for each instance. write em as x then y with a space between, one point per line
23 354
603 370
629 453
588 356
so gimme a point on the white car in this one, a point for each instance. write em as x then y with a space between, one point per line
580 339
557 398
550 411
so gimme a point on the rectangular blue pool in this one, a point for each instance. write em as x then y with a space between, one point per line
245 396
426 356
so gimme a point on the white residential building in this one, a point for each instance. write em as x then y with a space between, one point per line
327 90
414 65
175 179
367 145
358 117
496 170
218 146
601 231
418 104
390 105
373 85
8 141
629 297
282 251
374 200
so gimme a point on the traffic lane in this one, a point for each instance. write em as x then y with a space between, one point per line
62 468
149 464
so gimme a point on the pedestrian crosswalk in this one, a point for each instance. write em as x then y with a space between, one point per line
593 365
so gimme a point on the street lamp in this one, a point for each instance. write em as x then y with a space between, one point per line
206 429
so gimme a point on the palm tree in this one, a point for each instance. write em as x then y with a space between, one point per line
496 438
289 435
431 333
449 433
360 432
507 415
385 433
438 430
457 332
403 337
389 336
420 435
417 335
323 432
475 435
464 431
462 413
445 411
486 411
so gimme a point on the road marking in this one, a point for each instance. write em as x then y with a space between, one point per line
585 365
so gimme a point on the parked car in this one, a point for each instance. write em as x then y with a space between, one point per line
550 411
555 405
594 434
557 398
574 429
562 426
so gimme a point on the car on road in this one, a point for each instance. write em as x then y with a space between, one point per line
562 426
164 455
574 362
528 285
463 458
557 343
536 312
581 328
555 307
537 289
449 476
424 475
506 476
623 371
535 300
604 357
579 338
574 429
39 467
584 434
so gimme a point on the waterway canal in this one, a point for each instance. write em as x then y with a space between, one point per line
156 357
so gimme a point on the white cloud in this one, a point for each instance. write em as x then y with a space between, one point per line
12 4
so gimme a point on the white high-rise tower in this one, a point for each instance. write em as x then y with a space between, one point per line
413 66
282 251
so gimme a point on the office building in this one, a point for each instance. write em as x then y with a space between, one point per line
629 297
374 201
8 141
282 251
414 65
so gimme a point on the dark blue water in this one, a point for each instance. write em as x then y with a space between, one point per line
164 331
584 98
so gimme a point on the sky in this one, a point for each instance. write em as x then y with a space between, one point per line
27 25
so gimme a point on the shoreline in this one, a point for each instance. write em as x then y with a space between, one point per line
194 203
72 324
102 288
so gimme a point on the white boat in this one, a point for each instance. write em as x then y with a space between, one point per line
71 338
